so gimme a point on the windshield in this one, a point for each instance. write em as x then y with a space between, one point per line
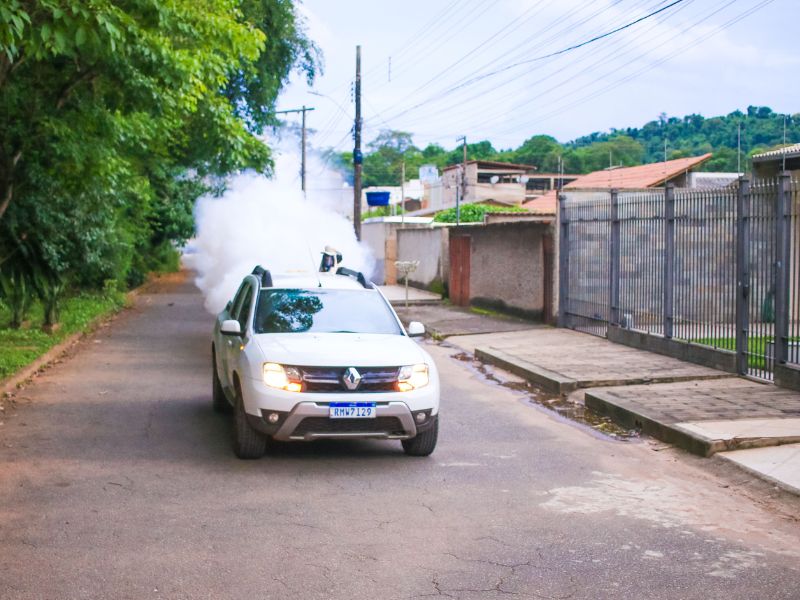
323 311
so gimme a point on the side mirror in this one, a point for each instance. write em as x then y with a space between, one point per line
230 327
415 329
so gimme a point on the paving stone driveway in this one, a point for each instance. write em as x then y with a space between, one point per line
585 359
725 399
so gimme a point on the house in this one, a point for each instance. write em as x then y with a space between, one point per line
486 180
677 172
541 183
769 164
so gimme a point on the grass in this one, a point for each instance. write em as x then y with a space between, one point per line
21 347
756 347
487 312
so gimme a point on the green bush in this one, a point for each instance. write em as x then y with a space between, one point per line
382 211
473 213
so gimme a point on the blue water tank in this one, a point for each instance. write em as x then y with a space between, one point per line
378 198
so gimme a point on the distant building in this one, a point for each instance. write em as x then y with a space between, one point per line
677 172
699 180
486 180
769 164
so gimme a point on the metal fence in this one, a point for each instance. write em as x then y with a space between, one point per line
717 268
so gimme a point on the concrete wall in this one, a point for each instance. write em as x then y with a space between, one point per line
507 266
382 241
430 247
380 234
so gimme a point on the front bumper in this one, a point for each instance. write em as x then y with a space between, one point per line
309 421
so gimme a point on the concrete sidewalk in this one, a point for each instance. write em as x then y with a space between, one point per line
444 321
753 425
396 295
705 417
561 360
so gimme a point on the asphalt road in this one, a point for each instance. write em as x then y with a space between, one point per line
117 481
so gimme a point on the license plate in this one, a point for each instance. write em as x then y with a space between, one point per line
351 410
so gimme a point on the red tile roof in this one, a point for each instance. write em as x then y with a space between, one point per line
643 176
543 205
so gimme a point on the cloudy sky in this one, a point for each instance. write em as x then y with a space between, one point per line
503 70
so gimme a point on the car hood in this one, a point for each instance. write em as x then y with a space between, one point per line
339 349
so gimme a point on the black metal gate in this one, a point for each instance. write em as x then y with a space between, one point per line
716 268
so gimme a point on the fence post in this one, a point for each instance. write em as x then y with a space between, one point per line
782 266
742 273
668 281
563 262
614 257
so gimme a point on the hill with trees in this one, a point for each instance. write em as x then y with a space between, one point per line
761 129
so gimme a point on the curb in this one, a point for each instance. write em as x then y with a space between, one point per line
694 443
12 382
786 487
675 434
549 380
9 384
402 302
556 382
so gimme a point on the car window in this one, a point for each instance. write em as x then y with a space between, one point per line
244 312
323 311
237 300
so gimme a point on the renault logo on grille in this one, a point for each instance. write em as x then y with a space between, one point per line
351 378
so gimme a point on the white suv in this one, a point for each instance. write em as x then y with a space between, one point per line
321 356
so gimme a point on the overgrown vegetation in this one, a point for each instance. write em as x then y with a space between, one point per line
22 345
382 211
473 213
692 135
116 117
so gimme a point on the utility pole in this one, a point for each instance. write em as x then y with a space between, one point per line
357 157
739 148
403 194
463 196
303 110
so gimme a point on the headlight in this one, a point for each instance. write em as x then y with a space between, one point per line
282 378
412 377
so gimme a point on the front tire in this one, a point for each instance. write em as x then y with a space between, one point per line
423 444
219 402
248 443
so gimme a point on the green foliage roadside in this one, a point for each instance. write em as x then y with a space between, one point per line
473 213
20 347
116 117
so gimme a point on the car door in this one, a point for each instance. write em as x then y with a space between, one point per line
222 342
234 344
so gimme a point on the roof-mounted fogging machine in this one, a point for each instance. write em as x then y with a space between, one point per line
331 259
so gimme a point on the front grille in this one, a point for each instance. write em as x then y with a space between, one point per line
329 379
390 425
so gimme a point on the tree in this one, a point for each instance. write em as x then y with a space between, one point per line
382 165
542 151
117 112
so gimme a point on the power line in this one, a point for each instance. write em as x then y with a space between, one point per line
542 57
479 110
659 62
613 53
454 28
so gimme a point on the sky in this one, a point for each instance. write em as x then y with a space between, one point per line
504 70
